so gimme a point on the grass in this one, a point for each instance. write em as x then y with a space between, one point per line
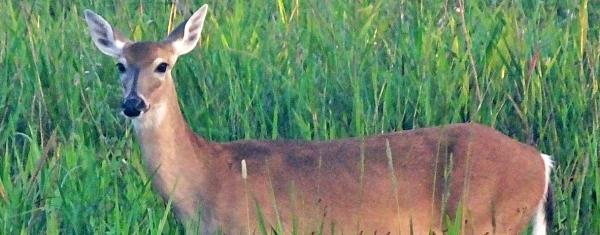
289 69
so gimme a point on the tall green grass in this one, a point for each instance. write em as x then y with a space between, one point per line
289 69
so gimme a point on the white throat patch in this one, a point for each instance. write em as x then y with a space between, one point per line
151 119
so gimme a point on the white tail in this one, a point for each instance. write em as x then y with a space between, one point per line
541 220
392 183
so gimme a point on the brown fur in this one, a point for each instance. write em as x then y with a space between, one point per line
325 179
392 183
499 180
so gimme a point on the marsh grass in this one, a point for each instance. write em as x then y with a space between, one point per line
289 69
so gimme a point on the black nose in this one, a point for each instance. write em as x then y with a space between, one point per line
133 106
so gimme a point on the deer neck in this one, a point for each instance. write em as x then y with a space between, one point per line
175 157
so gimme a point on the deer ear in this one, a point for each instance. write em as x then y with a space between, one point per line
185 37
109 41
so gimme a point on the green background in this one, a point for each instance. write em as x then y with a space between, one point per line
299 69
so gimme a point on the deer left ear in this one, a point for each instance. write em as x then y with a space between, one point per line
108 40
185 37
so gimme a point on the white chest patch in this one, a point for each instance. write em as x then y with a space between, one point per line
152 119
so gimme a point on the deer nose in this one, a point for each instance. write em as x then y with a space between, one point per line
133 106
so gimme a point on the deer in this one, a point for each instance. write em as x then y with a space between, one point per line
410 181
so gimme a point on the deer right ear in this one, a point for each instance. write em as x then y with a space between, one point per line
108 41
185 37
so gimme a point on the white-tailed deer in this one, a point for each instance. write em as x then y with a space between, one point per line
403 182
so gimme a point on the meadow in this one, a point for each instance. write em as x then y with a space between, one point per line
293 69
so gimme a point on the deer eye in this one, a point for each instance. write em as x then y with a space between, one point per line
161 68
121 67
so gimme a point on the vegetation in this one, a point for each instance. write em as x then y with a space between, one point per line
294 69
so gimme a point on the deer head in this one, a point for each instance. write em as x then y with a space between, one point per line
145 67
